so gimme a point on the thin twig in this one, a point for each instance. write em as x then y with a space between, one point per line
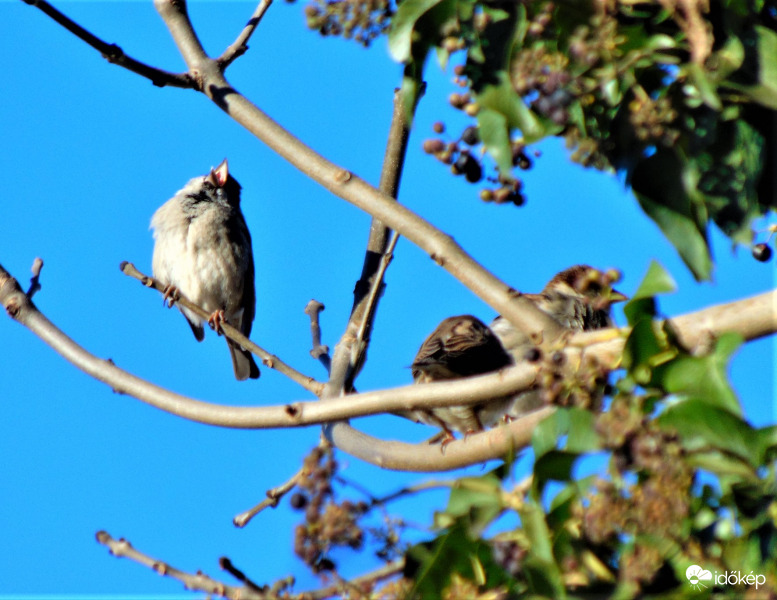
369 288
384 572
273 497
240 45
430 484
269 360
199 582
230 568
113 53
319 351
372 298
35 286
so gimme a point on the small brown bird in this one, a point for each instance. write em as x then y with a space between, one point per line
579 298
459 347
203 249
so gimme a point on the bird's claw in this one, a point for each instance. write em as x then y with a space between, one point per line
216 320
170 295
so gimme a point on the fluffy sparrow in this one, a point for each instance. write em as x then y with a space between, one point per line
459 347
203 249
579 298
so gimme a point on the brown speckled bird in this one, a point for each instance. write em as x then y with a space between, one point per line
459 347
579 298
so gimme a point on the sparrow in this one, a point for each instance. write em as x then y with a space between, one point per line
459 347
580 299
202 249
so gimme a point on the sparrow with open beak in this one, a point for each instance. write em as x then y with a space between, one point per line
203 250
580 299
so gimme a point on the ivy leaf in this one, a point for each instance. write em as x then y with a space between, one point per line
474 503
582 432
704 428
431 564
656 281
758 76
495 135
547 433
540 568
400 39
660 183
703 377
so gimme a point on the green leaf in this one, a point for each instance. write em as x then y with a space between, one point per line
555 465
703 377
704 428
646 348
431 564
474 503
768 440
730 171
661 184
582 432
540 568
495 136
500 97
547 433
403 24
760 50
656 281
704 85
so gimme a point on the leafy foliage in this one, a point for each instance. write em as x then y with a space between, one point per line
679 96
688 482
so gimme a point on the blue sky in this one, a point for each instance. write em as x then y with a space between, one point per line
91 150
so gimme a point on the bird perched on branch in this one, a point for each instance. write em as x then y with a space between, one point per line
459 347
203 250
580 299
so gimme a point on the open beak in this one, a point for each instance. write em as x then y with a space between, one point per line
218 176
616 296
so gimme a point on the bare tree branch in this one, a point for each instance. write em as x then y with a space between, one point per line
339 589
227 565
240 45
319 351
273 497
37 265
269 360
113 53
752 317
200 582
441 247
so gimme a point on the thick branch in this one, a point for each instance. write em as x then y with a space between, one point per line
113 53
753 318
441 247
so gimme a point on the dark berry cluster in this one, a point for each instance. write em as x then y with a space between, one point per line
541 76
327 523
657 504
652 119
762 251
360 20
563 385
509 555
457 154
461 156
